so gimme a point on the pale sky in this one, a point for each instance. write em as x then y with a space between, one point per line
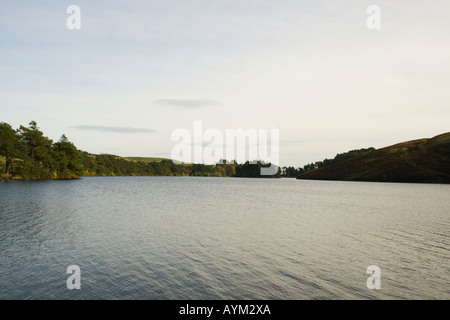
138 70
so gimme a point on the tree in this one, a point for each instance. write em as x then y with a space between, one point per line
38 160
67 159
10 146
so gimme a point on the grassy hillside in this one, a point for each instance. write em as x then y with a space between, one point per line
424 160
145 159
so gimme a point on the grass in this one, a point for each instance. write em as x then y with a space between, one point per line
145 159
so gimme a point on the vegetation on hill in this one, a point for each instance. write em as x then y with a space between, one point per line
145 159
291 172
26 153
424 160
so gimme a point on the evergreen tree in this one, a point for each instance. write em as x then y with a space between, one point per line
10 146
38 160
67 159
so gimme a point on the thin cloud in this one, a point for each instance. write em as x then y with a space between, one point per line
188 104
113 129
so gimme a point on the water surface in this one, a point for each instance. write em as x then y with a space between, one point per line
223 238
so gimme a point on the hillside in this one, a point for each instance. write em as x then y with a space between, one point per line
423 161
145 159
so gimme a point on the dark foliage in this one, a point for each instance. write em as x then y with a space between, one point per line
28 154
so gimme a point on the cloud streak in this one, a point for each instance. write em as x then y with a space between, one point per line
188 104
113 129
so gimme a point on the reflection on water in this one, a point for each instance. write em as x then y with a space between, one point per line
223 238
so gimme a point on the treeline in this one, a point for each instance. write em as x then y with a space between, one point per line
111 165
291 172
28 154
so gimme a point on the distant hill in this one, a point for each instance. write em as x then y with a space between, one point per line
422 161
146 159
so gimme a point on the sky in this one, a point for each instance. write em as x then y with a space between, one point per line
136 71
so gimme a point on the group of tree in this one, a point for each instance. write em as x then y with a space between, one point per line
253 170
291 172
111 165
28 154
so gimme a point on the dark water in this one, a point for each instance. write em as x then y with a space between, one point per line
223 238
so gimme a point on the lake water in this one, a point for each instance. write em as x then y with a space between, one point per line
223 238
